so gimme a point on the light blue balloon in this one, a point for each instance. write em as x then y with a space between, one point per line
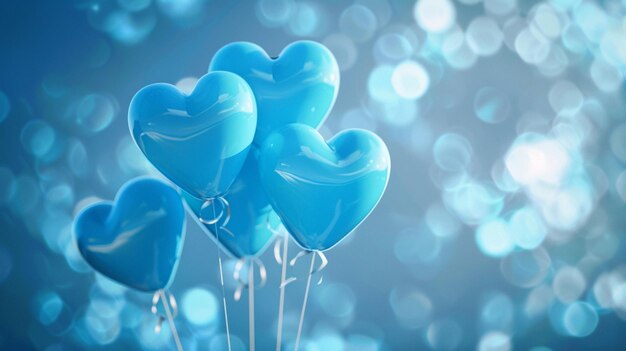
136 240
199 141
320 190
299 86
252 222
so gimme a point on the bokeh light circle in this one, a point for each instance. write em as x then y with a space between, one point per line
410 80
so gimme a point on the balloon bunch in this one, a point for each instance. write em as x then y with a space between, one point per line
244 150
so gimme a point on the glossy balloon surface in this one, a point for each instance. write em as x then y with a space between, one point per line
199 141
252 222
299 86
137 239
320 190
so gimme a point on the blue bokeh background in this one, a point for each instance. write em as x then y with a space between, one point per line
502 227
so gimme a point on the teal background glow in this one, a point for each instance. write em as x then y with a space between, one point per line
503 223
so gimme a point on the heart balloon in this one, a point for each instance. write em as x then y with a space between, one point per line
299 86
252 223
322 191
137 239
199 141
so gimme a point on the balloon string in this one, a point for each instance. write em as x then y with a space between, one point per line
251 303
219 259
306 297
170 319
281 303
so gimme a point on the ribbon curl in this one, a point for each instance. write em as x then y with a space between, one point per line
244 284
161 318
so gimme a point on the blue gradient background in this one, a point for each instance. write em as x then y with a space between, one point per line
69 69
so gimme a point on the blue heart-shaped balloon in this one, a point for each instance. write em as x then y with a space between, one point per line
137 239
322 191
299 86
199 141
252 223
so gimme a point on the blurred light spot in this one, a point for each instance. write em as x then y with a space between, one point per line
200 306
484 36
491 105
77 158
104 330
274 13
95 112
220 342
456 51
337 300
410 80
56 230
49 306
187 84
580 319
441 222
7 185
60 194
130 159
149 339
474 202
134 5
537 160
555 64
591 19
5 106
607 77
329 341
618 142
379 84
344 50
184 12
532 46
304 20
393 47
494 341
362 343
526 268
564 5
497 312
620 185
569 207
547 20
131 315
500 7
603 247
527 228
38 138
398 113
494 238
444 334
129 28
27 190
74 259
417 246
538 301
569 284
452 152
412 308
574 39
565 97
358 22
109 286
502 178
434 15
